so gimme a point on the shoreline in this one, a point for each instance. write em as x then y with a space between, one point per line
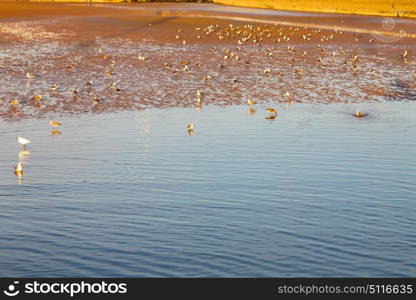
247 53
394 8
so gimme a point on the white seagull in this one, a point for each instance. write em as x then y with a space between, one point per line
23 142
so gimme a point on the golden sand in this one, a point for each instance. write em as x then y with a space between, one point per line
402 8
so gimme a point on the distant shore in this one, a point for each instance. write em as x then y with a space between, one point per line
392 8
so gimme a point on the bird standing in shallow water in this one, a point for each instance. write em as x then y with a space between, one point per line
190 128
23 142
359 114
273 114
251 102
54 123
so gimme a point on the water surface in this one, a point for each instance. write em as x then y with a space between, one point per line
315 192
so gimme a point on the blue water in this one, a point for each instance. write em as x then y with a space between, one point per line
315 192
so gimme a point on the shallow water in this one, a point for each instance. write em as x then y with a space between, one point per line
315 192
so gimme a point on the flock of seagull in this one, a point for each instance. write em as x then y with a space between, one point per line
243 35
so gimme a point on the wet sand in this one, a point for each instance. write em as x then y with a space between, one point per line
230 54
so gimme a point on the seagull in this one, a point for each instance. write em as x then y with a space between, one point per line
359 114
251 102
37 97
54 123
142 58
299 71
190 128
273 113
18 170
53 87
96 100
23 142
